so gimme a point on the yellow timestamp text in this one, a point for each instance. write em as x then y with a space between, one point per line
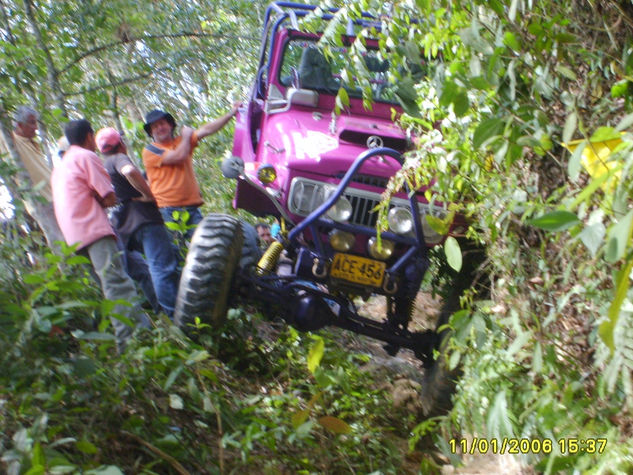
511 445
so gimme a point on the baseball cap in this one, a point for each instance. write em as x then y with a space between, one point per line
107 139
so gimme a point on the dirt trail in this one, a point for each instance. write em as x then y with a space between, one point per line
406 372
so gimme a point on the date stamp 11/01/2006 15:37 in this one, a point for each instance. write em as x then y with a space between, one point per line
510 445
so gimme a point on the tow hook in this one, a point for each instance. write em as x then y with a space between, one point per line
390 285
319 269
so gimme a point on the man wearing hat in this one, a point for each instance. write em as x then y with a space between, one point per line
169 164
137 219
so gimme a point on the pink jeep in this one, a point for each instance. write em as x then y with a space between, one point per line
321 176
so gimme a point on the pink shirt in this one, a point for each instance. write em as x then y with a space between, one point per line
76 181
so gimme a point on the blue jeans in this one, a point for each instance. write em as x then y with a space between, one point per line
162 260
137 269
195 216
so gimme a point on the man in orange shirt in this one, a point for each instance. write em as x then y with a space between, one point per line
169 164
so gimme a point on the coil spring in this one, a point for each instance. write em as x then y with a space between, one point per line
269 260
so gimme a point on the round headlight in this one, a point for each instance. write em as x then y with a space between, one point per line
400 220
341 211
266 174
384 252
341 241
430 235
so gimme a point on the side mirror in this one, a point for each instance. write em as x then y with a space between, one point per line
232 167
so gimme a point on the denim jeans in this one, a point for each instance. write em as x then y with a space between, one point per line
162 260
195 216
137 269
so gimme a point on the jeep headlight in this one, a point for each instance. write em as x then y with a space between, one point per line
341 210
400 220
430 235
383 252
306 196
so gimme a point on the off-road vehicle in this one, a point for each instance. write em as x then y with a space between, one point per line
321 175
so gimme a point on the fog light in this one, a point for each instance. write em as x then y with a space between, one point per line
400 220
341 241
341 211
266 174
384 252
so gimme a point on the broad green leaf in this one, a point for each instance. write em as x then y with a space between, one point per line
575 162
198 355
86 447
570 127
299 418
453 253
565 71
449 92
460 103
605 133
621 288
342 94
439 225
620 88
36 470
486 130
555 221
625 123
33 279
173 375
619 238
592 237
334 424
37 456
315 355
510 40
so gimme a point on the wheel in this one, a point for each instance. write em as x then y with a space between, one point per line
438 384
251 253
207 278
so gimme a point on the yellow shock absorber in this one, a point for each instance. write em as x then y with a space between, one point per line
269 260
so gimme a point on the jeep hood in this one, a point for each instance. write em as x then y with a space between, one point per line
317 143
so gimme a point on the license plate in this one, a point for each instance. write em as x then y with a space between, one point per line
358 269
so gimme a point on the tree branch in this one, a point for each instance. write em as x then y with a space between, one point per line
183 34
121 82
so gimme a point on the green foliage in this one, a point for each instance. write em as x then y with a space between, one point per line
510 85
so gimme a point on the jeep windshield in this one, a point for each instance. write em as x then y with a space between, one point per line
305 66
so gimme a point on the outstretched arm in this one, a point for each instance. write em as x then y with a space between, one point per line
181 152
215 125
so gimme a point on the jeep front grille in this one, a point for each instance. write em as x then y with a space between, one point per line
306 195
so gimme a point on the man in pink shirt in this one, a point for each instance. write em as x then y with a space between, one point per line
81 191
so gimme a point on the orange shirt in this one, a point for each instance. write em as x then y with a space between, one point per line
172 185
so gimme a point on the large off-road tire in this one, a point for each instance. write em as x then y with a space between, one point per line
209 271
251 252
438 384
